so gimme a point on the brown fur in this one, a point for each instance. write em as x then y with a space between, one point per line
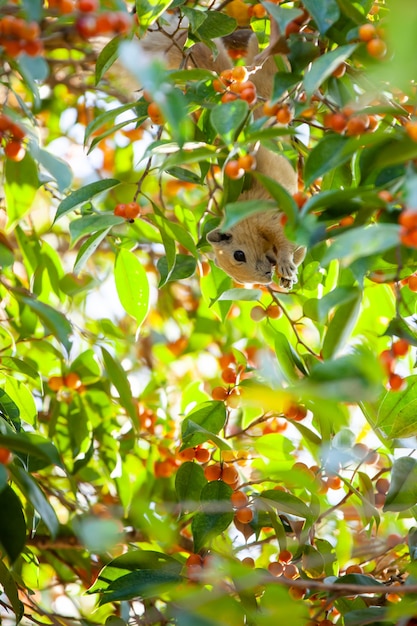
250 250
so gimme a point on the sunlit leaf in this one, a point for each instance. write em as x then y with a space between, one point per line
132 285
216 513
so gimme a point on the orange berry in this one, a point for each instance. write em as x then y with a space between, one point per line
33 48
247 162
296 593
275 568
229 375
188 454
400 347
132 210
194 559
229 474
270 109
164 469
356 126
86 26
300 198
72 380
273 311
285 556
66 6
239 499
258 11
5 456
240 74
218 85
411 130
155 114
292 28
233 170
412 282
395 381
244 515
226 76
284 115
387 358
385 195
377 48
257 313
336 121
213 472
354 569
334 482
291 571
14 150
367 32
88 6
229 97
219 393
348 220
202 455
249 95
339 71
56 383
248 561
382 485
233 398
120 210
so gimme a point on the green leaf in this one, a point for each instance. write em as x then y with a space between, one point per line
312 562
30 444
330 152
210 415
402 493
240 294
216 513
341 326
92 224
107 57
356 243
140 573
106 119
132 285
282 15
88 248
285 201
10 589
53 321
21 184
58 168
237 211
9 409
397 411
228 118
286 358
325 14
37 498
215 25
324 66
282 82
80 196
21 396
373 615
189 481
148 12
12 524
184 267
118 377
286 503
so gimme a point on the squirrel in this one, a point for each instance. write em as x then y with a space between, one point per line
251 249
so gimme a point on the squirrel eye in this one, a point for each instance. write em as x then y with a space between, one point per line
239 255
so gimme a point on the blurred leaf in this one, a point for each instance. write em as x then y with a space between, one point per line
10 589
312 562
21 183
282 15
132 285
118 377
216 513
283 81
341 325
80 196
37 498
216 24
402 493
371 615
352 244
287 360
241 294
397 410
138 573
189 481
286 503
148 12
238 211
12 524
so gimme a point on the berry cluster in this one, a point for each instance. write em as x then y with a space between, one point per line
236 168
350 122
129 211
281 112
11 138
110 22
233 84
17 36
372 36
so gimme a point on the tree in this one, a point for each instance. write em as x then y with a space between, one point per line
175 448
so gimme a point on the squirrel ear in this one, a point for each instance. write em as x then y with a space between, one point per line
216 236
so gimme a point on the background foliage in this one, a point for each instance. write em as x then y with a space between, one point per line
176 449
